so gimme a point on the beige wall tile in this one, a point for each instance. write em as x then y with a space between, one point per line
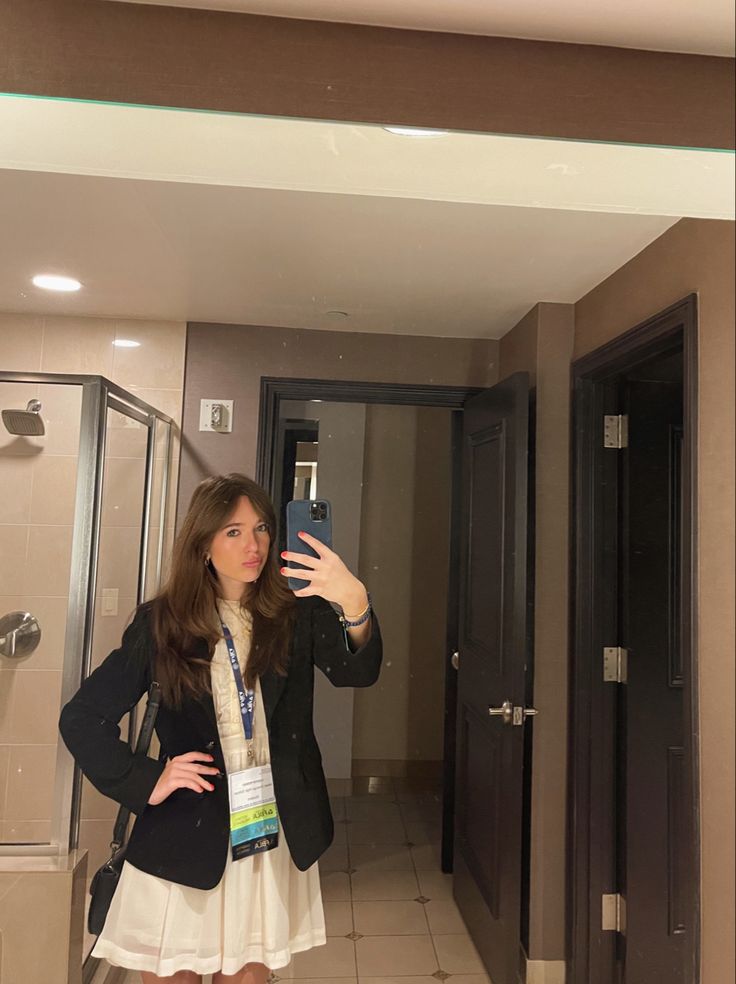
95 806
118 559
48 897
168 401
54 489
51 615
4 767
16 483
95 837
108 629
62 413
126 437
81 345
21 339
25 831
122 495
13 549
36 706
47 567
7 691
30 782
157 362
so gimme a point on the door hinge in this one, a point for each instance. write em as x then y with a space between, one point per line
616 431
613 914
615 664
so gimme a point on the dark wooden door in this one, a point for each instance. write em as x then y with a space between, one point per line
492 636
654 838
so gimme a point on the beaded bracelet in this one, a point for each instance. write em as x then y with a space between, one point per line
359 619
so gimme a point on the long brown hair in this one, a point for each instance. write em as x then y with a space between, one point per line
185 611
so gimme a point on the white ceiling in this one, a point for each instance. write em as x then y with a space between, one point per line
160 250
201 217
705 27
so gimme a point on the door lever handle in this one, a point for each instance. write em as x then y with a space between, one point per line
505 712
512 715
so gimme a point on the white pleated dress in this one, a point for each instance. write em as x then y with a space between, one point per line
263 910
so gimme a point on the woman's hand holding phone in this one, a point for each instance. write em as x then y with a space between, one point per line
327 576
183 772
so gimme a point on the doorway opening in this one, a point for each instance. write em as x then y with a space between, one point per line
481 585
633 876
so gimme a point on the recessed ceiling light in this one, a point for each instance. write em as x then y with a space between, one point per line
126 343
48 281
413 131
337 315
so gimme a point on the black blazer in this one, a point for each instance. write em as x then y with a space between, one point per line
185 839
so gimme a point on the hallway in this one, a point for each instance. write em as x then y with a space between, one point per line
389 909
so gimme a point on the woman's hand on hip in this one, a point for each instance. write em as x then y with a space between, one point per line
328 577
184 772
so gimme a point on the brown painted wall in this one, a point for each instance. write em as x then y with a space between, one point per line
698 255
404 536
167 56
227 362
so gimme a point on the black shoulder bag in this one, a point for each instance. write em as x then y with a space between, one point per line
105 880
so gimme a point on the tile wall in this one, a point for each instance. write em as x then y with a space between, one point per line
37 487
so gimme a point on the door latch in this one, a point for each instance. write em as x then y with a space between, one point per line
512 715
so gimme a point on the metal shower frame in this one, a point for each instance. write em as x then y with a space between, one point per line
98 395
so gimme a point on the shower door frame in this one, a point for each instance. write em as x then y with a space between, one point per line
99 394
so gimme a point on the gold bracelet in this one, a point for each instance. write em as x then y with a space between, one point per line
354 618
353 621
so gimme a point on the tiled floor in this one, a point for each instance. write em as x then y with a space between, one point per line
388 907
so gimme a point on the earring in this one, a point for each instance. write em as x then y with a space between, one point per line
207 559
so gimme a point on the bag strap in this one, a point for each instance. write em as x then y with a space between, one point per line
141 748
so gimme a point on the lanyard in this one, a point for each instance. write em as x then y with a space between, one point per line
246 698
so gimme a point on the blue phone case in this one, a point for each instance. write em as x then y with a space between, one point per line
301 514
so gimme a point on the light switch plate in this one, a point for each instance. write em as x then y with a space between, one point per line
207 418
109 601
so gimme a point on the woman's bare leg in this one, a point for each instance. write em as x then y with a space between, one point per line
181 977
252 973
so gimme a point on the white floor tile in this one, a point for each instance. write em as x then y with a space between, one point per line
398 955
389 918
435 884
457 955
380 857
373 886
336 959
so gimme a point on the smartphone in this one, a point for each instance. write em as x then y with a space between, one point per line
312 516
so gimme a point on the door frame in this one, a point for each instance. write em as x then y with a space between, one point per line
591 608
274 389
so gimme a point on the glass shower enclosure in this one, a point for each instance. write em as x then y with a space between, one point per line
84 527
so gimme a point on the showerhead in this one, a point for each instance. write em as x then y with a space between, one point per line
25 423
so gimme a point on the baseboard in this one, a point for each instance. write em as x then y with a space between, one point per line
542 971
397 768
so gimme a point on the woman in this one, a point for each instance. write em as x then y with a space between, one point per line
234 653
